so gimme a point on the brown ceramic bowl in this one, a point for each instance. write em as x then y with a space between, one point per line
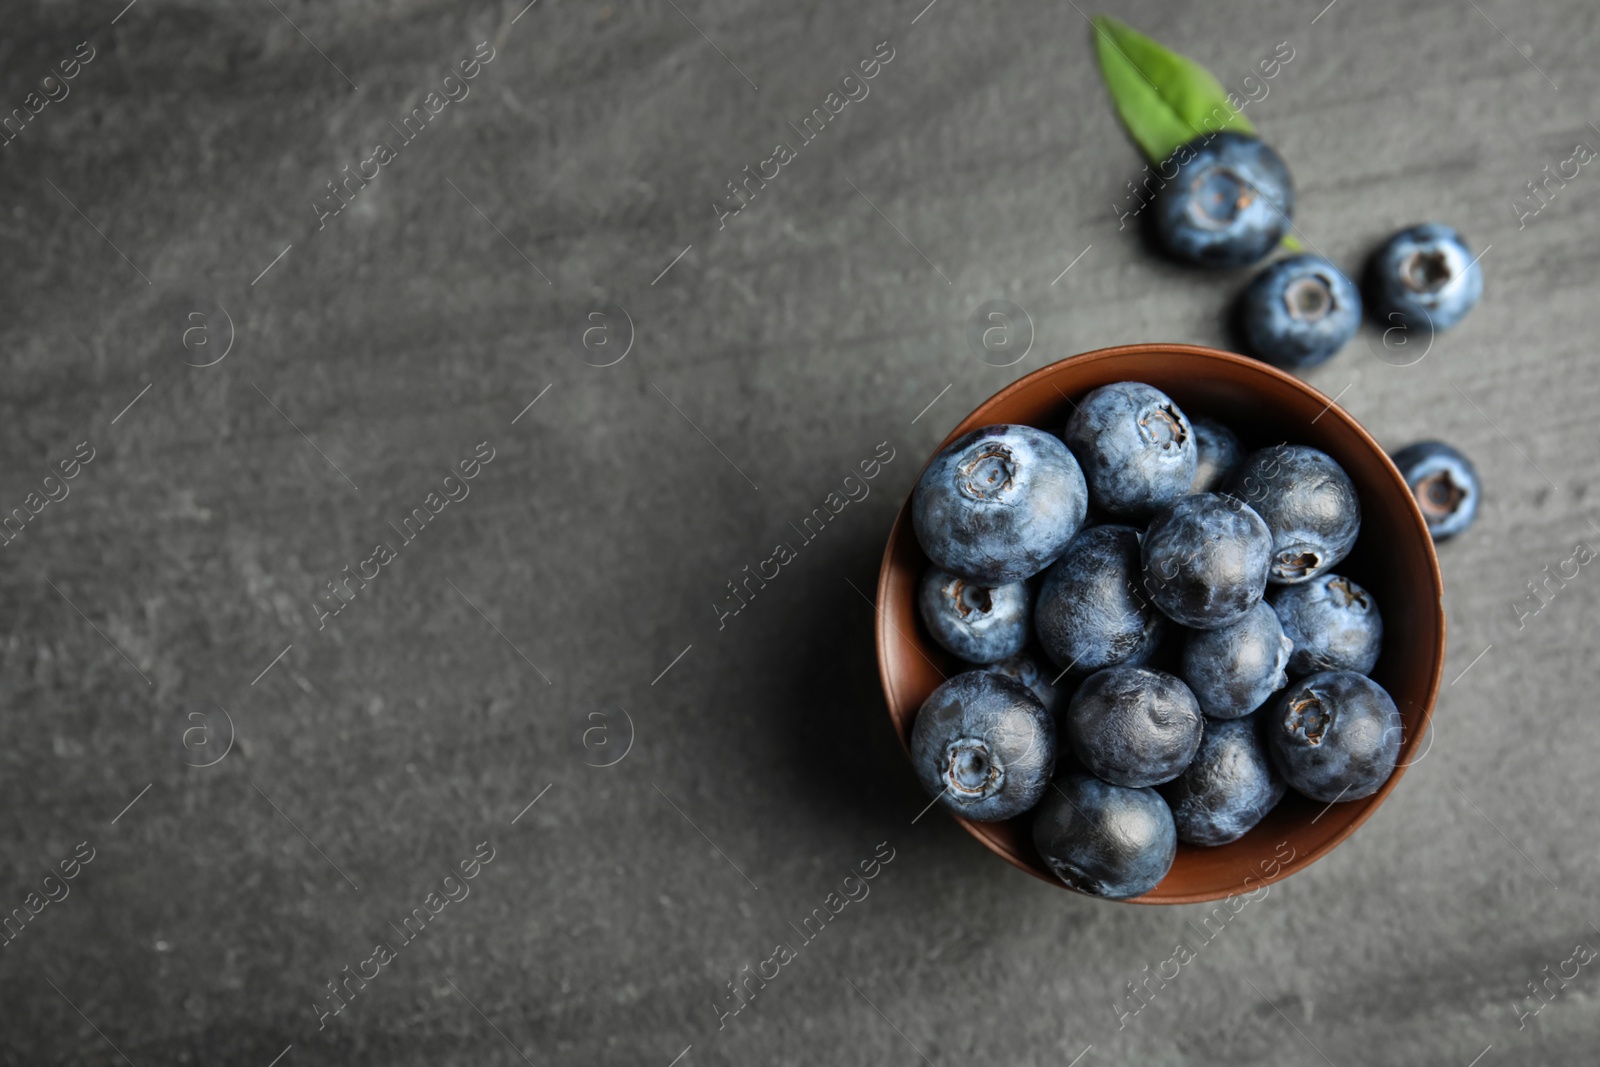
1393 559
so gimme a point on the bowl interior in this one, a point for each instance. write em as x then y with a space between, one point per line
1393 559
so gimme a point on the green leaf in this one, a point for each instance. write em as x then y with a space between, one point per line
1164 99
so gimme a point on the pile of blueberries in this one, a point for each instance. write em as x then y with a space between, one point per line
1230 203
1174 583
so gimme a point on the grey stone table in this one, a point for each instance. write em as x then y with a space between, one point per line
260 342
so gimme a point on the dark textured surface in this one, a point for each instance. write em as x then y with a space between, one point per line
599 541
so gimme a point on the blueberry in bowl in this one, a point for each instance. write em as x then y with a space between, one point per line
1233 669
978 623
1307 501
1135 446
1229 787
1029 669
1335 736
999 504
1299 312
1229 203
1104 840
1333 623
1206 559
1132 726
1218 453
1423 278
1090 613
1444 483
984 746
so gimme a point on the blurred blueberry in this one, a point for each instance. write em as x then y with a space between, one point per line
999 504
1233 669
1229 203
984 746
1105 840
1229 788
1299 311
1218 452
1206 559
1445 484
1309 504
1423 278
1334 624
1335 736
974 622
1133 726
1136 448
1090 613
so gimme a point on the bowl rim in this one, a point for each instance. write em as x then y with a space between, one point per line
884 628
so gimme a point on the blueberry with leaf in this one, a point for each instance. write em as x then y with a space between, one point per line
1229 204
1224 198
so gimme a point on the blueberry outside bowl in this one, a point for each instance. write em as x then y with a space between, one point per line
1393 558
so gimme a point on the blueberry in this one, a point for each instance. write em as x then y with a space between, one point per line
1218 451
1423 278
999 504
1136 448
975 622
1230 786
1335 736
1299 311
1333 622
1445 484
1133 726
1090 614
1105 840
1233 669
1206 559
984 746
1309 504
1228 204
1026 668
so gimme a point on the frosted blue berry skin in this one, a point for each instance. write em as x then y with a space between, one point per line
1206 560
1229 203
1333 623
1444 483
1424 278
1091 613
1228 788
1105 840
1033 672
1135 446
1132 726
984 745
978 623
1307 501
1334 736
999 504
1298 312
1234 669
1218 451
